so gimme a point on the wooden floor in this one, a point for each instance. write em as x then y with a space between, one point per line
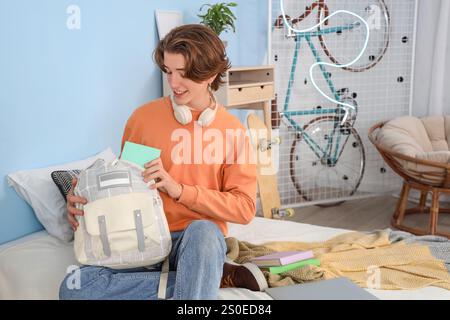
363 215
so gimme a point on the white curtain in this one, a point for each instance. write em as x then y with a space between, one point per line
431 93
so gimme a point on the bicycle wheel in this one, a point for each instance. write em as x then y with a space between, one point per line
317 177
343 47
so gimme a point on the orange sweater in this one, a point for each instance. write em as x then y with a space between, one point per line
220 191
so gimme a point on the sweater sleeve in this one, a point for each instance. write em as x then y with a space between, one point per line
235 202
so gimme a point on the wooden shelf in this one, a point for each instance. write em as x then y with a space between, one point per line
244 84
249 87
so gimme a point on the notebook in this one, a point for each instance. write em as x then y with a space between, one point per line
292 266
138 153
282 258
333 289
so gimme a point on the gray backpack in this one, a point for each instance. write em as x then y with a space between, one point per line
124 225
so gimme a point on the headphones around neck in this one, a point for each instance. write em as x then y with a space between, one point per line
183 113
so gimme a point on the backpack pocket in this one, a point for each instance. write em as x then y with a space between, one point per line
123 223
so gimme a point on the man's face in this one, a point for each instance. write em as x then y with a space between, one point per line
185 91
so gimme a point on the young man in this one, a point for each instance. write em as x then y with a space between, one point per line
205 176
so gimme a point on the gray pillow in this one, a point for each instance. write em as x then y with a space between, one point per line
37 188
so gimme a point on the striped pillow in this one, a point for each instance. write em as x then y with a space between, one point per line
63 180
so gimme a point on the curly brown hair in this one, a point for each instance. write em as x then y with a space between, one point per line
203 52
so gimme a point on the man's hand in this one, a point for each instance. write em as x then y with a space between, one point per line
154 170
72 211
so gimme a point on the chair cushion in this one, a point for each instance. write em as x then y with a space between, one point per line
435 128
424 139
405 135
437 156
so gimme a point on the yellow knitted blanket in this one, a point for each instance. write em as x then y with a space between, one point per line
369 260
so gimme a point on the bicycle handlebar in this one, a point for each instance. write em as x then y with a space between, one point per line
327 30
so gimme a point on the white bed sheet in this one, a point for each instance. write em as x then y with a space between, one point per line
33 267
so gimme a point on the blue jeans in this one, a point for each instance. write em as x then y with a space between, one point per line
198 254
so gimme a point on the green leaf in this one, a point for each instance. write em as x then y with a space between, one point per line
218 17
204 5
229 12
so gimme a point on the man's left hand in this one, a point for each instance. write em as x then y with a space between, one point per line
154 170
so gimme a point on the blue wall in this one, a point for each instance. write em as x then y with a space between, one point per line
66 94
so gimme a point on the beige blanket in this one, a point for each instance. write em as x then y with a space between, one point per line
369 260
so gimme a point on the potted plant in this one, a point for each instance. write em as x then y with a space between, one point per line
218 17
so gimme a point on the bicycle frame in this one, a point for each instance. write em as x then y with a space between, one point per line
320 153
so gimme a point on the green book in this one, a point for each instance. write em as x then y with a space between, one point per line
138 153
292 266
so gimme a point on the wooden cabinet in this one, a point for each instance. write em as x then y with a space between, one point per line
250 87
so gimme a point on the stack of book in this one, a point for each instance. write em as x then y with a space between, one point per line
284 261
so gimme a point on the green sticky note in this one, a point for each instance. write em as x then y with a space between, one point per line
138 153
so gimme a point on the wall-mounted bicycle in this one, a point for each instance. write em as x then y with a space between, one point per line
327 157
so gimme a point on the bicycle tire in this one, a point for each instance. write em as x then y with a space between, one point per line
375 59
296 176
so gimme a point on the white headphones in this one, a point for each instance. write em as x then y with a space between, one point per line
184 115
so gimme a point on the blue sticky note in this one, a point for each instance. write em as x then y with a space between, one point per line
138 153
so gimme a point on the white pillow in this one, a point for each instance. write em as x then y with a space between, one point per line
37 188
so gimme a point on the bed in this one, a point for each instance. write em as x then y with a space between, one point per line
33 267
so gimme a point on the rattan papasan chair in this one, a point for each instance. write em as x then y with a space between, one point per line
418 149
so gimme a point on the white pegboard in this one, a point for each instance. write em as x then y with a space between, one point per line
380 82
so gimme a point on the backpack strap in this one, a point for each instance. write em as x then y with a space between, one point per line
163 279
139 230
104 236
